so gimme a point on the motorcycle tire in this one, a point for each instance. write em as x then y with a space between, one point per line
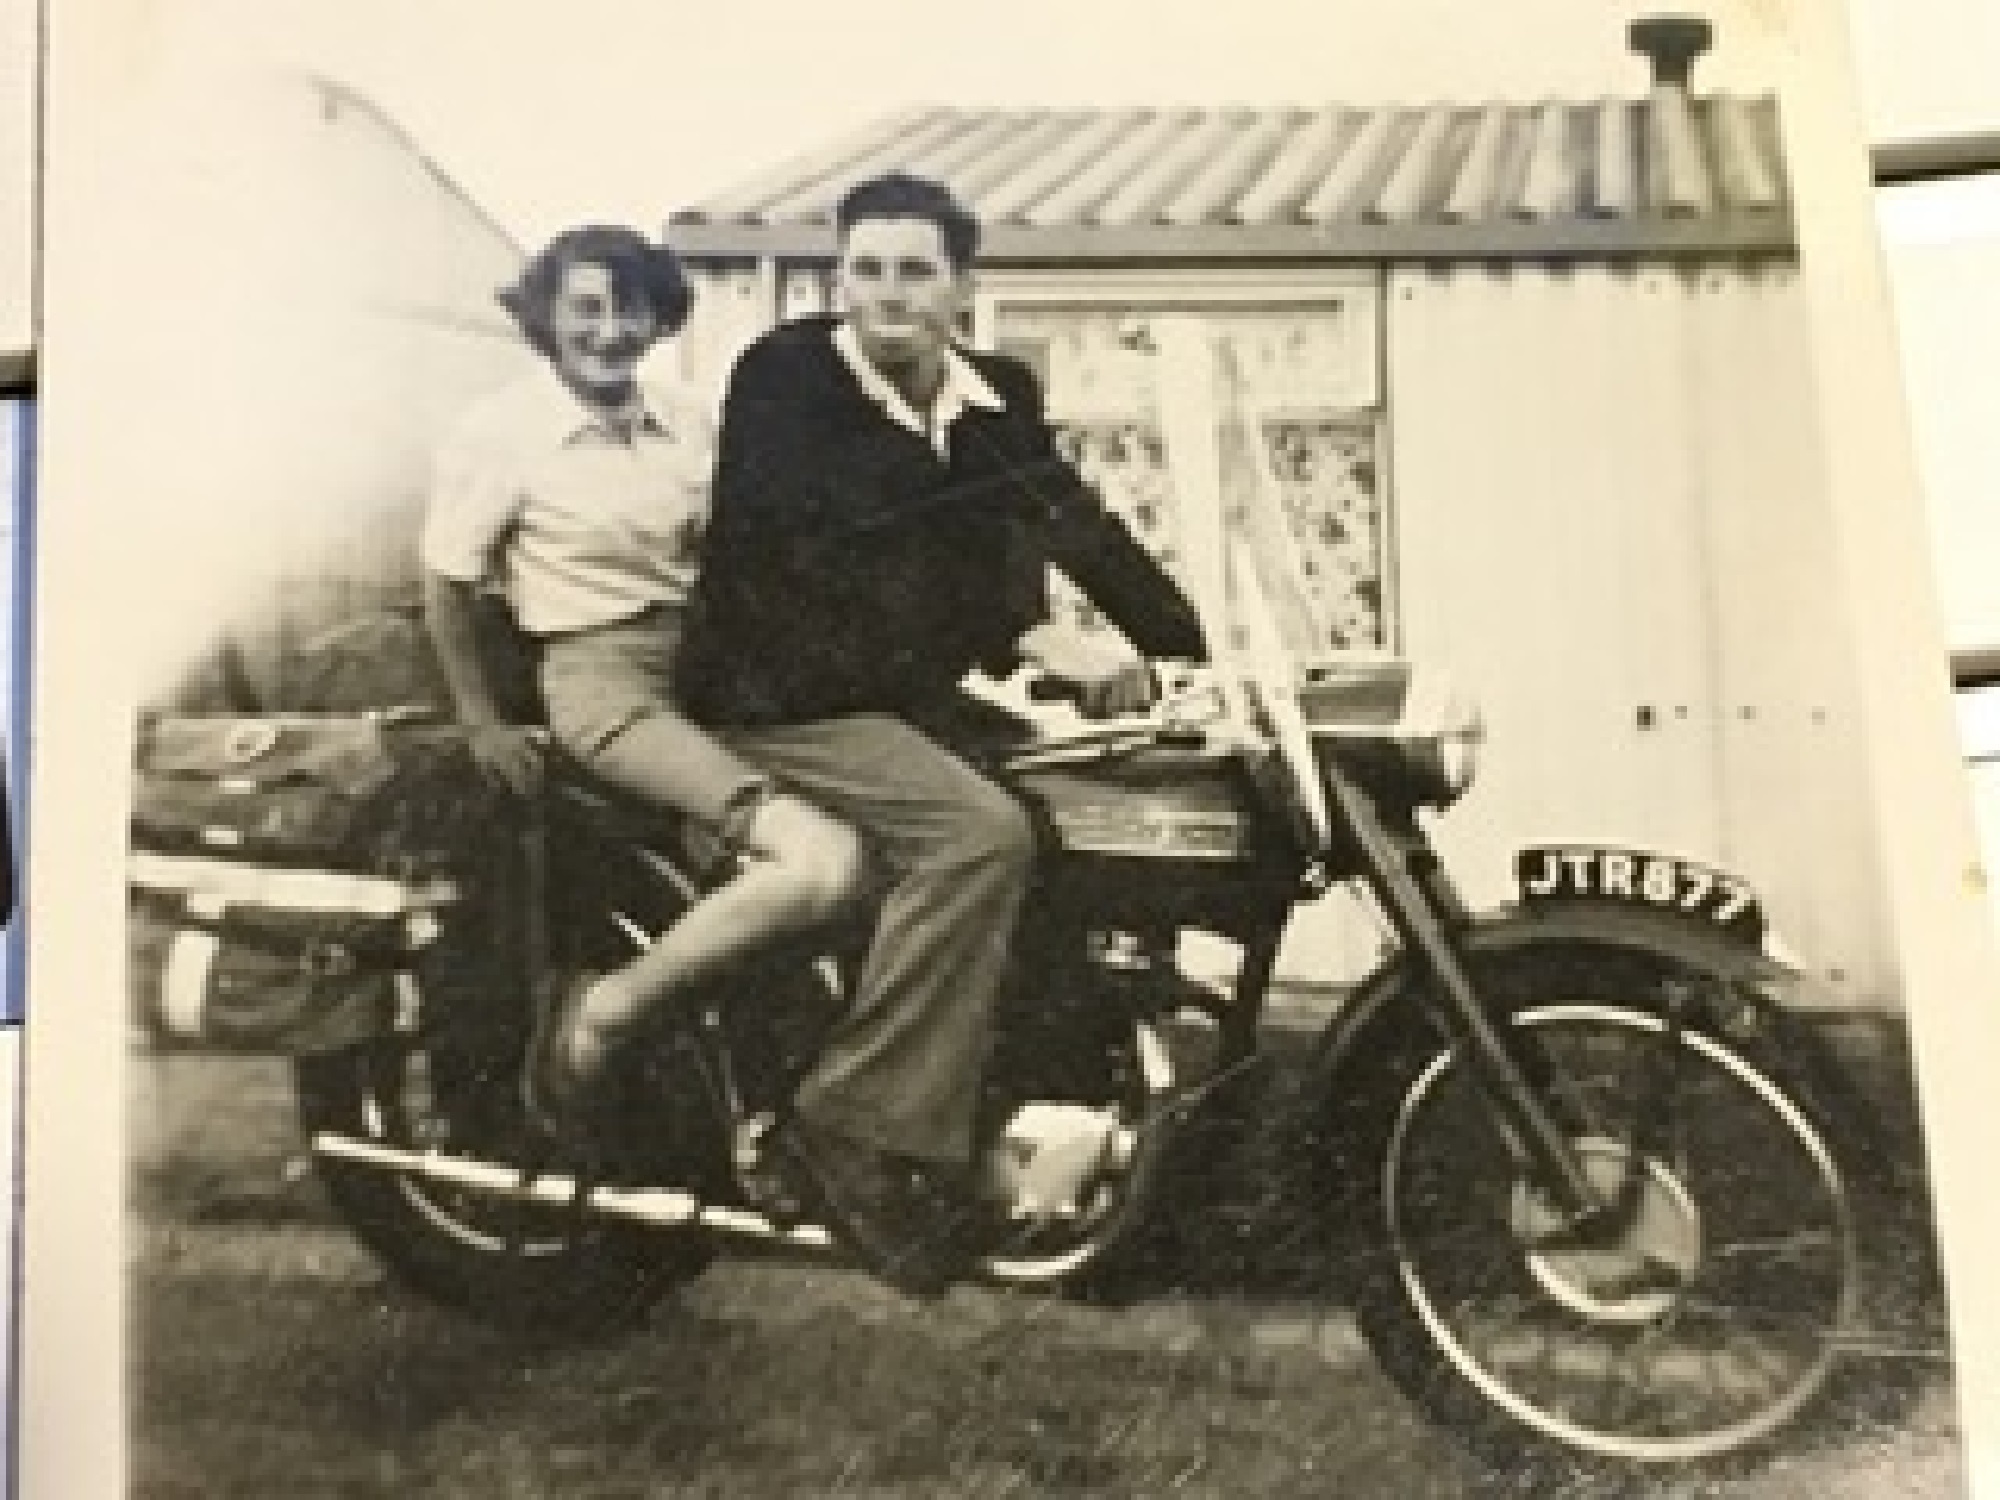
537 1270
1690 1335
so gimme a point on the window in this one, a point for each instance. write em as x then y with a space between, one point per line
1299 417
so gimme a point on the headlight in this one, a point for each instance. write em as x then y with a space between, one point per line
1441 735
1405 731
1448 761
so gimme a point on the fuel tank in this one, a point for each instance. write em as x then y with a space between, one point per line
1156 802
1163 836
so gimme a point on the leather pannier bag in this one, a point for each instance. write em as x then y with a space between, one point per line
290 873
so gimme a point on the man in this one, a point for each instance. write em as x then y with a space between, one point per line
886 507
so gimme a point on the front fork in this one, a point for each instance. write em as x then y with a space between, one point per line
1411 888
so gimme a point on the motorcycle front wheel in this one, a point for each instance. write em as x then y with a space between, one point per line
1702 1317
536 1269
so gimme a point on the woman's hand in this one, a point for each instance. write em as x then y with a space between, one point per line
509 756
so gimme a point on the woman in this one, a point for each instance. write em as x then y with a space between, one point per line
580 493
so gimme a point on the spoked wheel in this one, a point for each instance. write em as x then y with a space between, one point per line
1700 1316
485 1253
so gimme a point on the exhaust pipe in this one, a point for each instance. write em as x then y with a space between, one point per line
660 1208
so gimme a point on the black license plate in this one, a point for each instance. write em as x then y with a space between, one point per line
1638 877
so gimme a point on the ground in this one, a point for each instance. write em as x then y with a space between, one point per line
272 1358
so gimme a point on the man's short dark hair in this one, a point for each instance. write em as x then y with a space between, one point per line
638 267
901 195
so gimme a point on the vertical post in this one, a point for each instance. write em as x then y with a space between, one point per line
1245 639
532 844
1187 395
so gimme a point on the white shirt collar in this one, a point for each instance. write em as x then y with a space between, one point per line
562 418
963 387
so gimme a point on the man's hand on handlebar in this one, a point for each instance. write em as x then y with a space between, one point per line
1103 681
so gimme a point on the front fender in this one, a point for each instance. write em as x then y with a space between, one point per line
1688 941
1752 978
1753 1007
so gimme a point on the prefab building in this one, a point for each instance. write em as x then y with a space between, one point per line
1536 383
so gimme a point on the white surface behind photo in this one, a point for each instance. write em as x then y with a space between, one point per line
1927 68
1942 240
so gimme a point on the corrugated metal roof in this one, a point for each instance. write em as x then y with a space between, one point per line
1664 175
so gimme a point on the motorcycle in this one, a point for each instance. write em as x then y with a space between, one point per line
1567 1161
1577 1194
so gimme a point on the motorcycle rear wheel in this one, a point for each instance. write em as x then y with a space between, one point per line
532 1269
1703 1323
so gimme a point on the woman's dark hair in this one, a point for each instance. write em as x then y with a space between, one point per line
637 266
899 195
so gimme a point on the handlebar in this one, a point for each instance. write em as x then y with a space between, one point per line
1175 721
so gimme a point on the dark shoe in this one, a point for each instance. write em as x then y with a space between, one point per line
897 1217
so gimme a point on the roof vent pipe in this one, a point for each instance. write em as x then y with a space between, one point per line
1671 44
1676 172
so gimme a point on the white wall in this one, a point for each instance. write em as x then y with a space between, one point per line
1612 522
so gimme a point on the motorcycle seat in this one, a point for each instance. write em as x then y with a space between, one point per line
619 815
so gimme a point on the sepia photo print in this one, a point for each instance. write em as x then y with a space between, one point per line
1065 751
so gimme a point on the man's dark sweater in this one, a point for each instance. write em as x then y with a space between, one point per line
848 568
